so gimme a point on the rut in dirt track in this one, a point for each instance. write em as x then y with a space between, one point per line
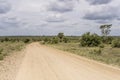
44 63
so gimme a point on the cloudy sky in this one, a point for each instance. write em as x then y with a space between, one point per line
48 17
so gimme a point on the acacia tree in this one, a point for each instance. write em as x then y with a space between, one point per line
105 29
60 35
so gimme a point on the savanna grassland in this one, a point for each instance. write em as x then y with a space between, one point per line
8 47
92 46
10 44
104 48
107 55
18 50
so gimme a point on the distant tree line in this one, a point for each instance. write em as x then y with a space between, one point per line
86 40
60 38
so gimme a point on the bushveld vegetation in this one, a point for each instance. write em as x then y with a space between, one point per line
60 38
116 43
103 48
90 40
10 44
8 47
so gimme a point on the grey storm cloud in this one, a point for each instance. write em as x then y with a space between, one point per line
4 7
118 18
6 23
105 15
97 2
100 16
61 6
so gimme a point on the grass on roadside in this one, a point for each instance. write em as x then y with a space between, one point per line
8 47
107 55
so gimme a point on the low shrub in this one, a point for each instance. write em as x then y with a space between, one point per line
116 43
106 39
55 40
96 52
26 40
101 46
66 40
46 40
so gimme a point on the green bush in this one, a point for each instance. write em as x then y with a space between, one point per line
26 40
55 40
66 40
90 40
6 39
47 40
101 46
116 43
107 39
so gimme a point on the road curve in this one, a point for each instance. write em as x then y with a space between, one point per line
44 63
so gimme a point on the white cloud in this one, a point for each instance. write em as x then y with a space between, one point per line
41 17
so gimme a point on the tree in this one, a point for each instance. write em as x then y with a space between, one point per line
105 29
60 35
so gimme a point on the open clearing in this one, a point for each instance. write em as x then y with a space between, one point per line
44 63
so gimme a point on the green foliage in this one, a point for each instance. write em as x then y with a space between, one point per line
66 40
90 40
6 39
55 40
105 29
26 40
107 40
60 36
116 43
22 38
101 46
46 40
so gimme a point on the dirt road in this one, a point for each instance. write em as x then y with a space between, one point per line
44 63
